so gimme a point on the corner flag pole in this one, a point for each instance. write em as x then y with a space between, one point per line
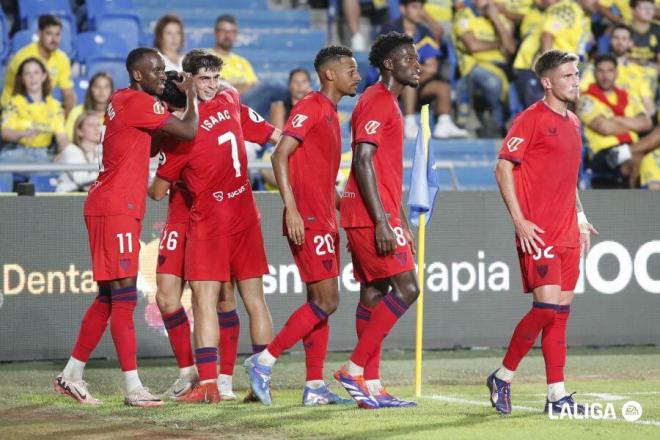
421 240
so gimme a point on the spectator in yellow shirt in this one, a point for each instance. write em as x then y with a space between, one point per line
566 26
484 43
31 119
611 118
650 171
238 71
96 99
46 48
636 79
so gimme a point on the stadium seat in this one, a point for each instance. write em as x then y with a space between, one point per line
115 16
22 39
4 37
101 44
115 67
44 182
603 43
515 106
30 10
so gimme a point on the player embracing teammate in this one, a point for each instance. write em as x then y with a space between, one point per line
113 214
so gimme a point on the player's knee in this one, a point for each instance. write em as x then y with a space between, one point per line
409 292
328 305
167 303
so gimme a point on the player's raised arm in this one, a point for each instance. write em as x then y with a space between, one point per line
295 227
527 232
366 180
186 127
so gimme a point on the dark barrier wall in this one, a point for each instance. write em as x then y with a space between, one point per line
472 286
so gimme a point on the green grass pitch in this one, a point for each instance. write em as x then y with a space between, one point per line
454 403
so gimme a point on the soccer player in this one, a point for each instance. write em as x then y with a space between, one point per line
170 271
113 214
223 238
537 173
372 215
306 163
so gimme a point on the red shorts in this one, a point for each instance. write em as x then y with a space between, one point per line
172 249
238 256
317 259
556 265
368 265
114 243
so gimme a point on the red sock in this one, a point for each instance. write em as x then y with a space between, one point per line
362 317
384 316
230 329
178 331
553 344
301 322
122 328
92 327
526 332
316 347
206 359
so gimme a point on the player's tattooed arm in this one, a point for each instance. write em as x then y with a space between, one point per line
366 180
526 231
186 127
295 226
158 188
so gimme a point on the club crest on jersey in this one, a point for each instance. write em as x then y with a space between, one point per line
298 120
513 143
327 265
159 108
371 127
542 270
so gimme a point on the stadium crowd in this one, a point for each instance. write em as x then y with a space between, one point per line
477 59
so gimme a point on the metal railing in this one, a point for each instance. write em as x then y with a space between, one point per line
446 165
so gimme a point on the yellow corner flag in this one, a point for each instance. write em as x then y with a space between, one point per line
423 188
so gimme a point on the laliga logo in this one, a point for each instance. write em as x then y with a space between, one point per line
513 143
256 117
161 158
631 412
298 120
371 127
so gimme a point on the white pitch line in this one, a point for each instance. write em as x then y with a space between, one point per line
522 408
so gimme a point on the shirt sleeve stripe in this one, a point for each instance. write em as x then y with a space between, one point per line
365 141
509 158
164 122
296 136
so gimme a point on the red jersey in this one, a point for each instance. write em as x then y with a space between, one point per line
546 148
214 167
180 199
121 187
376 120
314 165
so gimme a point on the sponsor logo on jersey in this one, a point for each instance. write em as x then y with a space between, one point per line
513 143
159 108
371 127
298 120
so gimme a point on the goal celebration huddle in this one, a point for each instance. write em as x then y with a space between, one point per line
212 238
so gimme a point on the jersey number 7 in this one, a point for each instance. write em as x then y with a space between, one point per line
231 138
